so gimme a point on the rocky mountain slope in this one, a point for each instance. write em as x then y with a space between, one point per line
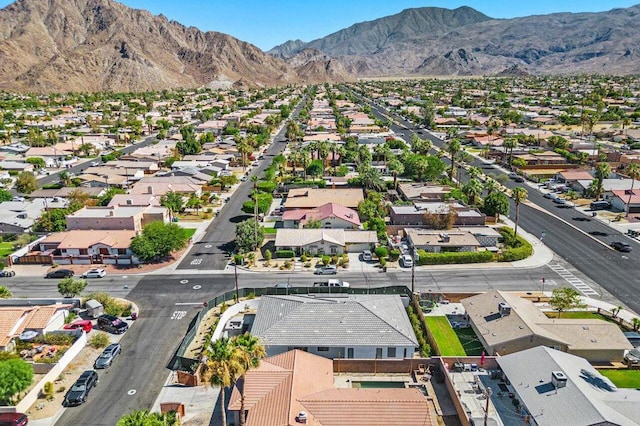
433 41
63 45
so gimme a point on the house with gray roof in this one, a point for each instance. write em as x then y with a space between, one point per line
336 325
557 388
506 323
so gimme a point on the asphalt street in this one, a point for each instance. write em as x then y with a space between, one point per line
212 251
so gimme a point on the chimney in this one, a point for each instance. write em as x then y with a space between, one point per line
112 213
129 202
558 379
150 189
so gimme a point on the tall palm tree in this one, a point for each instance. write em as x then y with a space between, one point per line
474 172
250 353
254 179
323 153
305 159
491 185
221 368
603 170
472 189
519 196
452 148
396 168
510 143
634 172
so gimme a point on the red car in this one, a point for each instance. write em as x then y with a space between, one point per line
13 419
85 325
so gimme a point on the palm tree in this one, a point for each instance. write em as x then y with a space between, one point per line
194 202
603 170
491 185
244 148
633 172
143 417
472 189
474 172
250 353
510 143
305 159
519 196
323 153
396 168
254 179
452 148
222 366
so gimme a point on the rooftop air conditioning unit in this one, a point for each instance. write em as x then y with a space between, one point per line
558 379
301 418
504 308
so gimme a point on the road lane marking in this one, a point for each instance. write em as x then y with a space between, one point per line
188 304
178 315
196 261
131 392
576 282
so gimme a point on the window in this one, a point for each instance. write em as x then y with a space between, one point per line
323 349
378 353
349 352
122 251
391 352
334 250
84 251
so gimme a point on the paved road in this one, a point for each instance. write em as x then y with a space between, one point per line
212 250
618 273
167 309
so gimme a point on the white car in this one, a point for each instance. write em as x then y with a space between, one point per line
94 273
407 261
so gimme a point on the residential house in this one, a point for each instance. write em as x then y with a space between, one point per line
608 185
89 246
52 157
419 213
310 198
557 388
14 320
16 166
324 241
506 323
135 200
541 158
571 178
104 180
17 217
160 185
622 200
439 241
336 326
131 217
297 387
65 192
331 215
424 191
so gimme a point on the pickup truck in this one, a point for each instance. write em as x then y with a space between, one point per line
331 283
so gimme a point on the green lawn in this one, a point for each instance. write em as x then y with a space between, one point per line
623 378
446 339
6 249
577 315
188 232
470 341
270 231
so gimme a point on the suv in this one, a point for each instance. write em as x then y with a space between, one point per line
367 256
80 390
13 419
107 356
326 270
60 273
406 260
112 324
621 246
94 273
632 357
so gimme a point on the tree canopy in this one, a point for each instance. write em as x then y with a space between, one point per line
246 236
564 299
158 240
15 376
71 287
26 183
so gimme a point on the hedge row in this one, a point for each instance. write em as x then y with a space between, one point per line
427 258
418 329
285 254
518 249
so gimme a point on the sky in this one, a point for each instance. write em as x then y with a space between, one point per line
267 23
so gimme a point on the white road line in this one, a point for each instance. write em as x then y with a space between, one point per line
576 282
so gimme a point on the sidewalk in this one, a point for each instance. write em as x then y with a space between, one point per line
199 401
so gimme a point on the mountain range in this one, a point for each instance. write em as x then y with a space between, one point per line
92 45
435 41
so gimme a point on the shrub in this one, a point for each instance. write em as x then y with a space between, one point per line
287 264
426 258
61 389
99 340
59 339
223 308
303 258
266 186
48 391
394 255
334 259
515 248
326 260
267 255
381 252
285 254
383 262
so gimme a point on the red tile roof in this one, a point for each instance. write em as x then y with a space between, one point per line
325 211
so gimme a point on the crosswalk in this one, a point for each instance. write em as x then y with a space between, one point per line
576 282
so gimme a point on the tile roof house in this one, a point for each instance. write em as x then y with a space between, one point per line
436 241
19 216
336 326
582 396
331 215
506 323
132 218
324 241
16 319
160 185
310 198
622 200
89 246
424 191
286 385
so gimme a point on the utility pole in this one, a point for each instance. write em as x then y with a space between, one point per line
413 271
486 408
235 273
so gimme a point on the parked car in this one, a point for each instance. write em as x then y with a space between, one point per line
367 256
406 261
632 357
621 246
94 273
112 324
107 356
550 195
85 325
559 200
331 283
60 273
7 274
80 390
326 270
513 175
18 199
13 419
518 179
282 285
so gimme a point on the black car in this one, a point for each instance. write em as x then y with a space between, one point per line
112 324
519 179
107 356
60 273
80 390
621 246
